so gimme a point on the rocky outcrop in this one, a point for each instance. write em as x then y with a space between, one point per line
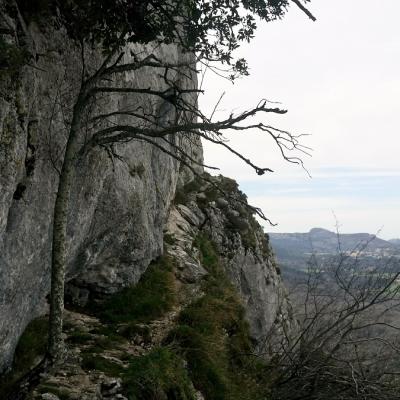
243 248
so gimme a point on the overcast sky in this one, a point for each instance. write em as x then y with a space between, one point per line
339 78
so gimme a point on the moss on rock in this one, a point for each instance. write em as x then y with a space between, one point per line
30 350
213 336
149 299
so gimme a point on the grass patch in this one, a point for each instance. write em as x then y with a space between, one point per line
245 224
207 370
151 298
208 254
132 330
91 361
158 375
108 338
169 239
31 347
125 314
78 337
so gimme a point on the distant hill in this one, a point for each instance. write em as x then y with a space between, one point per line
323 241
293 250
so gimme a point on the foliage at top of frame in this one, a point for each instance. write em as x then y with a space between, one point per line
212 29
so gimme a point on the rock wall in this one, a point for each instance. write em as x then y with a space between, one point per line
243 248
118 208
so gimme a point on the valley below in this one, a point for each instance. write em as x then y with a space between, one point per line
320 249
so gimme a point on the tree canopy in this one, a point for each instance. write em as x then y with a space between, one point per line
212 29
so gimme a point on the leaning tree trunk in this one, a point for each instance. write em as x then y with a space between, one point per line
59 245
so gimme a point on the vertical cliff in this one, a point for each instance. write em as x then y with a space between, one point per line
118 208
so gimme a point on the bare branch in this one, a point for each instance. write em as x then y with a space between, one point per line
304 9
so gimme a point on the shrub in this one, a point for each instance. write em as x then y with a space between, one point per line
158 375
149 299
91 361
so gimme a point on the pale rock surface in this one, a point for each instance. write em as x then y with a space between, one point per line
118 209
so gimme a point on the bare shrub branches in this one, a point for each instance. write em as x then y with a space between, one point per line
146 121
347 346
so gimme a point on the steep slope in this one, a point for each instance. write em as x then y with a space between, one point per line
244 251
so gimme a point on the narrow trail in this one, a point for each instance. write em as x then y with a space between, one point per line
85 334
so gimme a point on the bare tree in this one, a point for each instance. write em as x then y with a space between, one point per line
347 345
142 123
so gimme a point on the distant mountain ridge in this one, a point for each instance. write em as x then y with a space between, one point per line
293 250
321 240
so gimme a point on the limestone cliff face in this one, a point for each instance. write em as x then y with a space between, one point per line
118 209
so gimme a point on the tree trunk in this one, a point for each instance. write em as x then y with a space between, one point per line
60 219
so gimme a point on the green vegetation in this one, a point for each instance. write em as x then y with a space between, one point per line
184 194
132 329
227 185
93 361
32 344
201 184
169 239
209 348
12 58
77 337
243 223
31 348
160 374
213 337
152 297
208 254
